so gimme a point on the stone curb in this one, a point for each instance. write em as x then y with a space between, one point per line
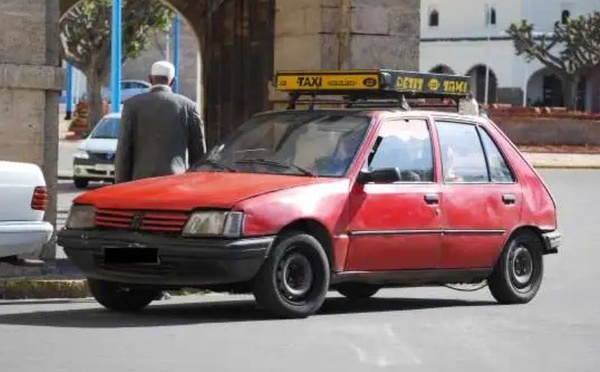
23 288
42 289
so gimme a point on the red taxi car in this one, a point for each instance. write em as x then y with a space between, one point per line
297 202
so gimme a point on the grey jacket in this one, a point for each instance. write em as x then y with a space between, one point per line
155 131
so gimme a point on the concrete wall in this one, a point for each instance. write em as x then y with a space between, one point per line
556 128
30 85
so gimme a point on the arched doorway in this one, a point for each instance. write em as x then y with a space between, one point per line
442 69
236 40
477 74
545 88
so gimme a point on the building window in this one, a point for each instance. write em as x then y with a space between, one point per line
434 18
564 17
493 16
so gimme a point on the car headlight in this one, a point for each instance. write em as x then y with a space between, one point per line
226 224
81 217
82 155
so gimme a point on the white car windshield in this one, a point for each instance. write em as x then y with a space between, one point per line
107 128
294 143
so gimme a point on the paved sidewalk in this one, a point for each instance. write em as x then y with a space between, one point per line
565 161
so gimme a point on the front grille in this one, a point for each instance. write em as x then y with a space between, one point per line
101 157
162 222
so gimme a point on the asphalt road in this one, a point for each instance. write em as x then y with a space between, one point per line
400 329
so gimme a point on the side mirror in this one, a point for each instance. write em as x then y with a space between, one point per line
383 175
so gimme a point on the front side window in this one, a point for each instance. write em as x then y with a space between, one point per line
107 128
405 145
463 159
294 143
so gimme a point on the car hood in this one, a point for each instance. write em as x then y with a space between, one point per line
192 190
99 145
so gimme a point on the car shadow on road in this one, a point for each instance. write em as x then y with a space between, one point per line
216 312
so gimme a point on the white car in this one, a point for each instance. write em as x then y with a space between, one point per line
23 200
95 158
129 88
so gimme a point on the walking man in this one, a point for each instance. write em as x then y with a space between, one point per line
160 131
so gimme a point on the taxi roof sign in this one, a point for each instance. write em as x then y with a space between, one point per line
373 83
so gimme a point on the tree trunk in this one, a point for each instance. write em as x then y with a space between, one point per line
95 101
570 92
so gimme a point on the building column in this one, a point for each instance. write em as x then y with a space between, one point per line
31 82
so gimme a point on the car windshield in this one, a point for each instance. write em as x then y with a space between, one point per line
298 143
106 128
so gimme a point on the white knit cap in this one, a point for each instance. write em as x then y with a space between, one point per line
163 68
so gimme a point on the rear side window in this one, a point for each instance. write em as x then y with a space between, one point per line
499 170
463 159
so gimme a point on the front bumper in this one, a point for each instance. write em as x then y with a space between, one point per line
18 238
98 169
552 240
180 262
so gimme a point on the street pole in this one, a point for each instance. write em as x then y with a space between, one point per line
176 41
69 109
528 14
487 65
168 46
116 39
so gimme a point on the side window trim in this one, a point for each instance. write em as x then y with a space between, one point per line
429 124
499 149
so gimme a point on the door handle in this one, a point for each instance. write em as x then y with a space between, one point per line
431 198
508 198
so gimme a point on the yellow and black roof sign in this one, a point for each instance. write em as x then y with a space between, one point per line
411 83
328 80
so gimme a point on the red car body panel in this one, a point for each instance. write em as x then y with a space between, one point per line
191 190
373 227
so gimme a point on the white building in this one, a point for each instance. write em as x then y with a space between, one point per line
456 38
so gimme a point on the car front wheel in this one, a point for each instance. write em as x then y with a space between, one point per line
294 280
518 274
80 183
118 298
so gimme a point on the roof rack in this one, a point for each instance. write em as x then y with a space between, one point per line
376 88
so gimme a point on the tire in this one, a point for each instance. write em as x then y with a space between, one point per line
294 280
80 183
357 291
117 298
518 274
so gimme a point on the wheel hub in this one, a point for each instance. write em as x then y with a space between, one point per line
522 265
296 276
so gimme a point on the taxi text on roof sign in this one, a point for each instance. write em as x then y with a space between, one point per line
328 80
429 84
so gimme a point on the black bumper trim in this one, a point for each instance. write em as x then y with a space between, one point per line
552 240
183 262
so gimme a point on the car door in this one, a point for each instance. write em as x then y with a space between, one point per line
482 201
395 226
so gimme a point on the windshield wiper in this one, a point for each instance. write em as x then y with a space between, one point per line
278 164
220 165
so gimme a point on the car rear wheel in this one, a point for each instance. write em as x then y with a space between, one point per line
81 183
118 298
357 291
294 280
518 274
